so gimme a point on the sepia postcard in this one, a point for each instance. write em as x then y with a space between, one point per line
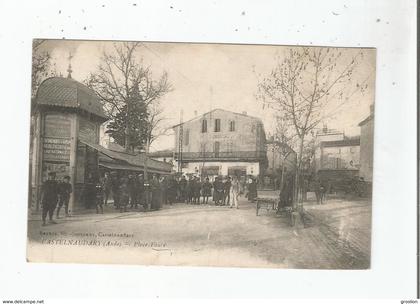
201 154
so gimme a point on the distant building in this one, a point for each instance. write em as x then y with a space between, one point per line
221 142
366 147
337 157
339 154
166 156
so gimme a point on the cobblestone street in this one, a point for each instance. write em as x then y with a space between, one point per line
337 236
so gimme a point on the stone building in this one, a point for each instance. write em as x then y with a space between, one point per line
221 142
337 157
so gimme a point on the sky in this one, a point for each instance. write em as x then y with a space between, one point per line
209 76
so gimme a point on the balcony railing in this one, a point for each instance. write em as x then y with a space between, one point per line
234 155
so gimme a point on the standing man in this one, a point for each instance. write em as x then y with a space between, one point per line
164 190
155 186
190 189
132 191
106 185
49 193
170 190
124 194
197 190
252 190
218 191
234 192
319 192
183 189
99 197
65 190
226 188
206 190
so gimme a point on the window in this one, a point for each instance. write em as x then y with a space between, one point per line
187 138
232 126
204 126
217 125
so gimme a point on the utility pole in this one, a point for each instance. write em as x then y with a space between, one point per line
180 141
146 175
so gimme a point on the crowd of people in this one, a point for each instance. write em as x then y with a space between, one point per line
130 191
133 191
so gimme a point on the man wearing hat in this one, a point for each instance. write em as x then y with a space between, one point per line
49 198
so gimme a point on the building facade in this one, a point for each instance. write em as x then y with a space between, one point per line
221 142
337 158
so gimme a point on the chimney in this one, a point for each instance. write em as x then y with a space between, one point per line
195 113
244 112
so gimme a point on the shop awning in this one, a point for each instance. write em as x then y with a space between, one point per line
131 161
120 167
113 166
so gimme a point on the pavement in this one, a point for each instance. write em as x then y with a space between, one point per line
336 236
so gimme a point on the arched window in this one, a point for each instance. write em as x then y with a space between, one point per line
232 126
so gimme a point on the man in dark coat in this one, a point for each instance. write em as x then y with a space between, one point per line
206 190
190 189
106 186
170 190
124 194
218 191
65 189
183 189
197 190
164 190
226 188
252 190
49 193
131 184
155 187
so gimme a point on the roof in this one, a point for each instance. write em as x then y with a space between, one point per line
342 143
366 120
218 109
137 160
69 93
162 153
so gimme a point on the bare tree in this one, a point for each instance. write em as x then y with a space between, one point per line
306 86
41 65
123 83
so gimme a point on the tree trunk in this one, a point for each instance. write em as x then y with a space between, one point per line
298 172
